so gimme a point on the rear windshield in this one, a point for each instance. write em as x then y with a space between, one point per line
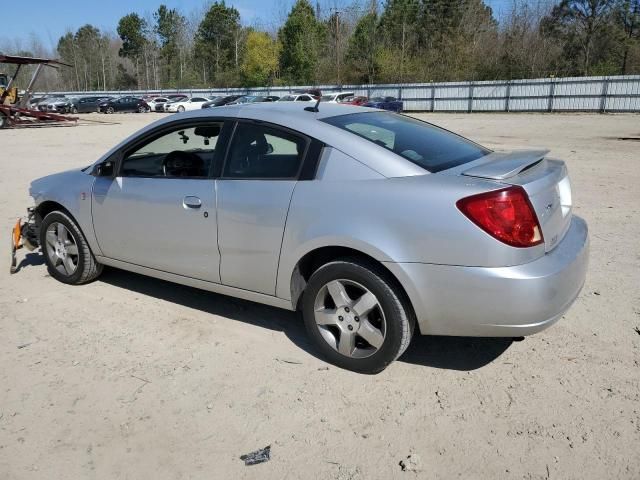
426 145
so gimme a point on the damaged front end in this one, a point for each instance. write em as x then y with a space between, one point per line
24 234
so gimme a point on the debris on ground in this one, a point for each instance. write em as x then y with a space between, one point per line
637 330
288 360
259 456
411 464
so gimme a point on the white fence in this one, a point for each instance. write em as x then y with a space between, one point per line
584 94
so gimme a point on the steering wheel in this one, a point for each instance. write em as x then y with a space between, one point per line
182 164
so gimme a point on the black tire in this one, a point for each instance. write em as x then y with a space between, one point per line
109 110
398 314
4 120
74 110
87 269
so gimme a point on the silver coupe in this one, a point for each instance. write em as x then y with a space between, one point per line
374 225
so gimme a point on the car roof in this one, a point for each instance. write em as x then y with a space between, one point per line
294 116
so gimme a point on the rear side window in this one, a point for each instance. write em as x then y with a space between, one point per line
426 145
259 151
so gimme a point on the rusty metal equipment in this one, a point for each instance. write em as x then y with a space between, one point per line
14 112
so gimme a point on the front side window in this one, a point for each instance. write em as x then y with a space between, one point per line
426 145
259 151
183 152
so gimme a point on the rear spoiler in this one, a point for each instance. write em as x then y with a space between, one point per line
503 165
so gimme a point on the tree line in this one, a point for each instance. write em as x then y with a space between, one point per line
400 41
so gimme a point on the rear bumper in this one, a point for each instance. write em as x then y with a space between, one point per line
498 302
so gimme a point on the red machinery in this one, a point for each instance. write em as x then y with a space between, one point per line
18 114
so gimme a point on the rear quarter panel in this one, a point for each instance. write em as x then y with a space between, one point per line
407 219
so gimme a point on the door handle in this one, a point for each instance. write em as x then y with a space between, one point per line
191 202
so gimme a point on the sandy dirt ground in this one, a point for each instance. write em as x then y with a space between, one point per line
130 377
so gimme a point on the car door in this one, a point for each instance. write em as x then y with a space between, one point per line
254 191
159 209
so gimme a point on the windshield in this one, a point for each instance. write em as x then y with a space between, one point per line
426 145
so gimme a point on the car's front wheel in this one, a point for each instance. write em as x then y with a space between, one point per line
67 254
356 315
110 110
181 108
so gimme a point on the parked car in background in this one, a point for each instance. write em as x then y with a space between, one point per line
43 104
88 104
60 105
124 104
338 97
314 92
272 98
177 96
194 103
304 97
250 99
436 235
220 101
156 104
385 103
355 100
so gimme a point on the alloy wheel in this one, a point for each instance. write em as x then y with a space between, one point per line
350 318
62 249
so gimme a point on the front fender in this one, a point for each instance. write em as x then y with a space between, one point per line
71 189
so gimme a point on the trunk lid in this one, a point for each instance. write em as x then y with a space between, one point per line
546 182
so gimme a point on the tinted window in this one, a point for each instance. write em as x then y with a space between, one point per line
426 145
259 151
198 99
185 152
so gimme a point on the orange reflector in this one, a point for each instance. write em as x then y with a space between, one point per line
17 234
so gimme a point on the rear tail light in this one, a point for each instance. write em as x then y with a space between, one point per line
504 214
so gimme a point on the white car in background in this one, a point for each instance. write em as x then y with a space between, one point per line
337 97
155 102
303 97
194 103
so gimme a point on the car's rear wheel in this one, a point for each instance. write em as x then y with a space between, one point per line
356 315
66 251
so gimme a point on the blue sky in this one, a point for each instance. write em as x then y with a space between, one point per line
49 19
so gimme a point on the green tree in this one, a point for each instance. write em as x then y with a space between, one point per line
260 62
364 48
585 29
628 18
217 41
301 37
169 24
131 29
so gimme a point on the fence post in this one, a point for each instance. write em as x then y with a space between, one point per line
603 95
507 96
470 104
433 98
400 92
552 89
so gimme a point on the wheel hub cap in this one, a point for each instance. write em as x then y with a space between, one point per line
350 318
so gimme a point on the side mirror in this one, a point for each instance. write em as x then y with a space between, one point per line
104 169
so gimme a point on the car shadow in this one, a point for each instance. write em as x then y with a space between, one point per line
451 353
30 260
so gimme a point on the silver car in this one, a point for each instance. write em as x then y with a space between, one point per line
375 225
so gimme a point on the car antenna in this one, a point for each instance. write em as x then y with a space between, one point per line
315 108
